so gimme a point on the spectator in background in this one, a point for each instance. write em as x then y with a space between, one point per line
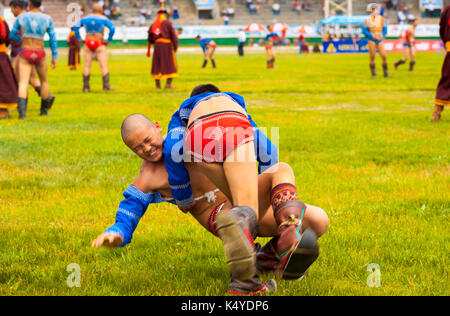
307 6
226 20
296 7
276 8
401 17
253 8
230 12
411 18
142 20
242 38
175 14
107 13
316 48
382 9
388 4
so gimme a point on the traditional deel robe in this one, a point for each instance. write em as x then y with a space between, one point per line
8 83
164 38
443 89
74 51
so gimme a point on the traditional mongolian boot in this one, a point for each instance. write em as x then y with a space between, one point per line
158 84
291 252
106 85
238 228
400 62
437 113
373 71
4 114
213 63
411 65
169 84
22 107
204 63
385 71
251 287
38 90
46 105
86 86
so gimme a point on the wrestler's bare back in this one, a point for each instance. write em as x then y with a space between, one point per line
213 105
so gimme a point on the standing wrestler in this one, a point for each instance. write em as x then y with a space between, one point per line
74 50
208 47
375 30
8 83
33 25
275 208
94 25
162 34
443 89
409 47
270 38
214 130
17 8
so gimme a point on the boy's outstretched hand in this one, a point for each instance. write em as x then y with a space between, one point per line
107 240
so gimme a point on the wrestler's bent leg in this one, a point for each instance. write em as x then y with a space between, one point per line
294 247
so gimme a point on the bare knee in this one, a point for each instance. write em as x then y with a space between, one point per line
281 169
285 169
317 220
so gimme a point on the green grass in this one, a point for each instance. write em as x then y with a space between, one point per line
361 148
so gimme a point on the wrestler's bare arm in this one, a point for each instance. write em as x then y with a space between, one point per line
152 178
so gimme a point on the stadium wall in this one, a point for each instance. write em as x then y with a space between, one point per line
227 35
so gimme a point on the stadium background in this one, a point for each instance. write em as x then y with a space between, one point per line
206 17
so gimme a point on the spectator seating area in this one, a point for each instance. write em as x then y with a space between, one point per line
238 12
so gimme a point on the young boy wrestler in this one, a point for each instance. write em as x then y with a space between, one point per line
152 186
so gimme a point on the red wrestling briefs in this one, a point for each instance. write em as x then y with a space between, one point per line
33 56
211 138
93 43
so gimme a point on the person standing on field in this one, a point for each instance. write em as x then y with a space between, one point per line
94 43
443 89
242 38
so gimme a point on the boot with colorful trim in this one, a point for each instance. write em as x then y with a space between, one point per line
292 251
251 287
238 228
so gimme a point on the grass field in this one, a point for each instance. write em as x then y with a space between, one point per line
361 148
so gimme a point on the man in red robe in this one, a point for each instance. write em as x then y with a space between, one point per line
74 50
164 37
443 89
8 83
